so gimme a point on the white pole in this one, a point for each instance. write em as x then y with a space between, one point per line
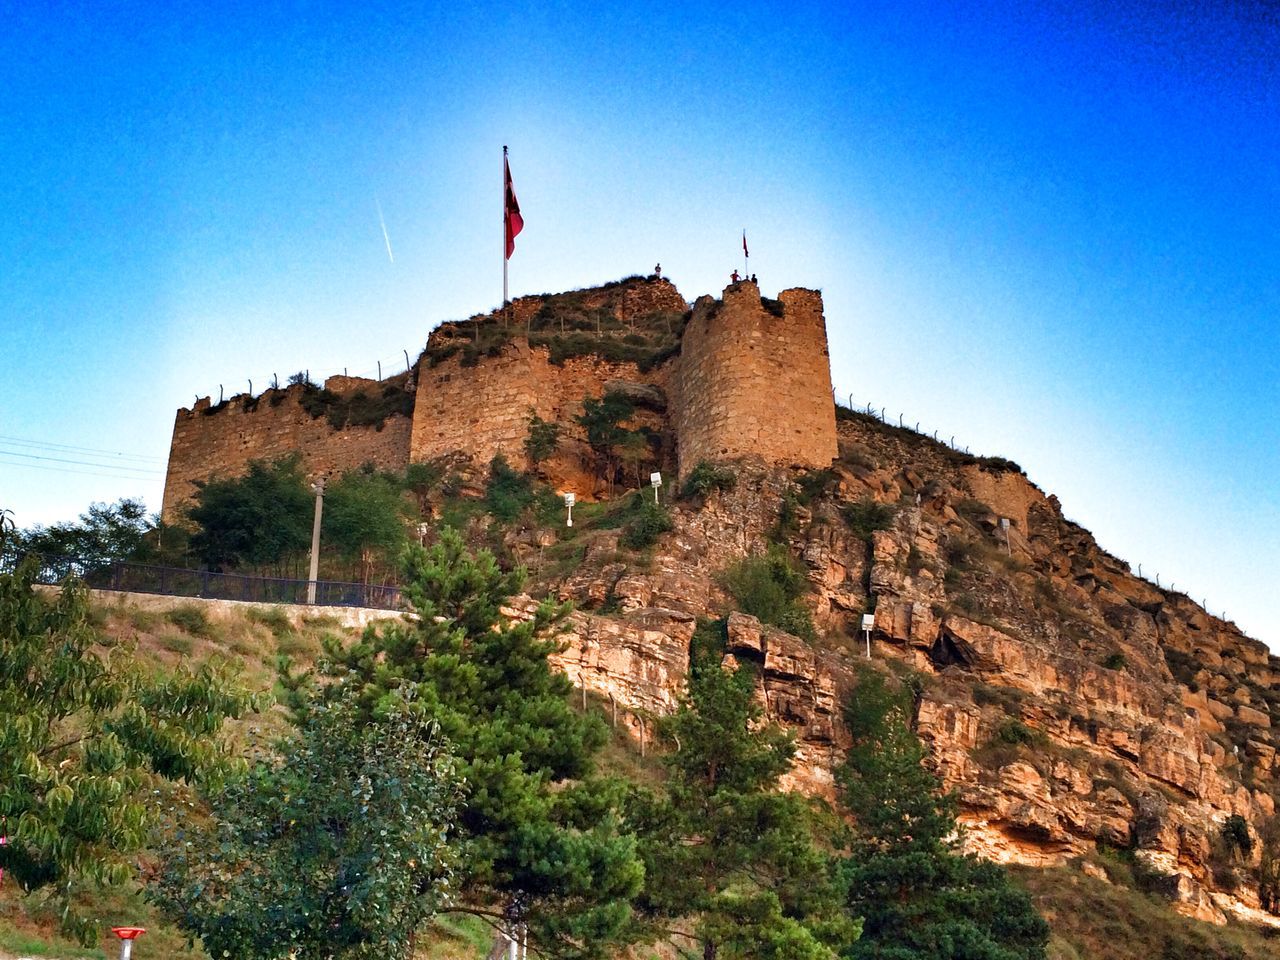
867 634
315 542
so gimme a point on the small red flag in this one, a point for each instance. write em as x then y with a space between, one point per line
515 222
745 252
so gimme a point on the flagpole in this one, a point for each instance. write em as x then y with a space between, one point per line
504 226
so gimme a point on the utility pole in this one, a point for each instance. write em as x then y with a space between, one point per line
318 487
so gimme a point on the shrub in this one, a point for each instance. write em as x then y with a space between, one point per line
706 478
508 491
1235 834
769 588
866 516
543 437
273 618
815 484
1115 661
191 618
1016 733
972 510
647 522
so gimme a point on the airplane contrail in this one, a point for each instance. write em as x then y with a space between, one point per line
385 235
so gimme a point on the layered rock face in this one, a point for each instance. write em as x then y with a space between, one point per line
1071 704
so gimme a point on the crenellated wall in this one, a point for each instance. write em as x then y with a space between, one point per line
751 378
756 381
219 442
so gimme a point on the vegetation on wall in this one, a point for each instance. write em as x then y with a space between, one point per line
769 587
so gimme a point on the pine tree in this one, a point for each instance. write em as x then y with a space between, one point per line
730 861
537 838
919 896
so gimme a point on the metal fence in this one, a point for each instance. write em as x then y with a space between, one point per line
205 584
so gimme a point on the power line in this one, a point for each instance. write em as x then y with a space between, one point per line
77 449
83 463
85 473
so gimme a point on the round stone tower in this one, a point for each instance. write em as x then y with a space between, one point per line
755 380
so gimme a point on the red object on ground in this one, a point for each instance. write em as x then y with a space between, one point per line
128 933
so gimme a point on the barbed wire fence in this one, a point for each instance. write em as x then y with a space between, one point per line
380 370
902 423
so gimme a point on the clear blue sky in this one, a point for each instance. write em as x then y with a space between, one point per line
1049 229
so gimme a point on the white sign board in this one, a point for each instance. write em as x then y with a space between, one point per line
570 499
655 479
1004 523
868 621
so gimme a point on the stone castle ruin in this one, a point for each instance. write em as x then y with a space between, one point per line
738 376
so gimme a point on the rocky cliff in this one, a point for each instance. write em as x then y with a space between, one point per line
1074 706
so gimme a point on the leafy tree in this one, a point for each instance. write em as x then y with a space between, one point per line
769 587
364 515
602 419
646 521
920 897
88 741
262 518
508 491
543 438
536 834
706 478
335 849
104 533
729 860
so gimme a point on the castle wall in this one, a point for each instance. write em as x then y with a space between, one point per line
484 409
755 384
746 382
221 443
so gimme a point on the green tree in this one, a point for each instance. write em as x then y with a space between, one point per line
262 518
364 517
919 896
769 587
336 848
730 860
602 420
508 491
543 438
537 836
103 534
88 742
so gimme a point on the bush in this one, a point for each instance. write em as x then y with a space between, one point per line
1115 661
648 521
191 618
866 516
1016 733
815 484
542 439
706 478
508 491
769 588
1235 834
273 618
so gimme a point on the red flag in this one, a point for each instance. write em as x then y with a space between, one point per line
515 222
745 252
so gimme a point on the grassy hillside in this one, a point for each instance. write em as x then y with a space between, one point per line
1091 919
